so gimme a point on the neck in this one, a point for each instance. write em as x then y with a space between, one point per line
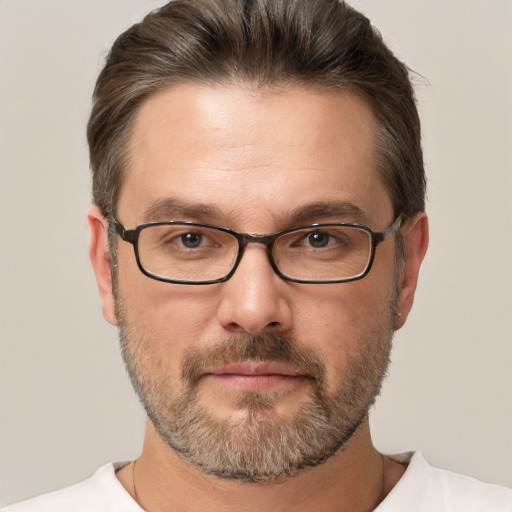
355 479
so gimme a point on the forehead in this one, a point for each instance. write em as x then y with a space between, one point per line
250 154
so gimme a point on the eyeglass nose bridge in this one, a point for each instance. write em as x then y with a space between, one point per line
266 240
244 239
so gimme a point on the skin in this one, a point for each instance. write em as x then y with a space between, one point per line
256 156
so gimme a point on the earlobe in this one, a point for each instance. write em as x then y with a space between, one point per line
98 254
415 237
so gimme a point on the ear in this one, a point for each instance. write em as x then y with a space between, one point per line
415 237
98 253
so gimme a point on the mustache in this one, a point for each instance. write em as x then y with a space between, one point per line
261 347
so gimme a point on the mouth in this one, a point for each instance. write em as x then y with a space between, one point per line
254 376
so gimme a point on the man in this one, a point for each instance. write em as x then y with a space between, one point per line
257 235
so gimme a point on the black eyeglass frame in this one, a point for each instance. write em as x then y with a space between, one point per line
132 236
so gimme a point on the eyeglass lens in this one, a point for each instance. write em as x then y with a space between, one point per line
197 253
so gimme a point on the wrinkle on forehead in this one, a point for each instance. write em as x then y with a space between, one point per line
224 156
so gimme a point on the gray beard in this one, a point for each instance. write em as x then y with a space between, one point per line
261 445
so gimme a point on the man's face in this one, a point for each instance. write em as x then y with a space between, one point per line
256 377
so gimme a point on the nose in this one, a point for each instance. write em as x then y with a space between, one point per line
255 298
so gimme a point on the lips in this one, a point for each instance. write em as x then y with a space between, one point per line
253 368
253 376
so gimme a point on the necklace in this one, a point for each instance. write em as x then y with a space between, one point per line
383 480
133 483
382 492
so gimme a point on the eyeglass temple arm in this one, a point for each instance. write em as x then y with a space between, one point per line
394 227
128 235
391 230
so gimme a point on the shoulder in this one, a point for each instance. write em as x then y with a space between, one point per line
102 492
424 488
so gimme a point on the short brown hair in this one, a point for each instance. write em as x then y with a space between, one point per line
324 44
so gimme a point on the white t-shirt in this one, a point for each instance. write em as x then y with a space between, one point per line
422 488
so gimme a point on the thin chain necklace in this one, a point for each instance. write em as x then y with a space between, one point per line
382 492
134 487
383 480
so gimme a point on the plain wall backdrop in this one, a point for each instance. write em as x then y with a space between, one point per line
66 406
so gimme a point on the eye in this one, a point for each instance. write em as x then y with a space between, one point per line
191 240
322 239
318 239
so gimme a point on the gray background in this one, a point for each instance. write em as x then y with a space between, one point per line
66 406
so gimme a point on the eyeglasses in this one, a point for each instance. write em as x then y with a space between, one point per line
194 253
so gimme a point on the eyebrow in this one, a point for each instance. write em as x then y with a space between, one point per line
339 211
170 208
320 211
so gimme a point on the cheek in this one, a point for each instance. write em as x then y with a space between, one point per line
166 319
166 304
342 321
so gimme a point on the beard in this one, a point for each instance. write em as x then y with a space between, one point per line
261 444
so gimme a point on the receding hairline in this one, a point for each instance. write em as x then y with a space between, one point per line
256 89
